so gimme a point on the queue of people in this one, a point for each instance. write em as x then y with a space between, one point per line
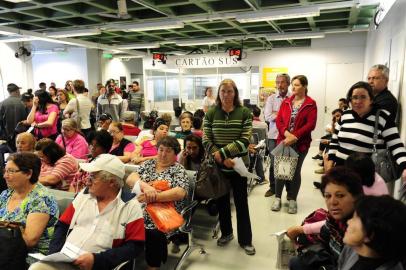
65 151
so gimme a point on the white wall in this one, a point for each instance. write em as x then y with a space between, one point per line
13 70
115 68
60 67
94 68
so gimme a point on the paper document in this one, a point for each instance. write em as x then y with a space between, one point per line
240 168
69 253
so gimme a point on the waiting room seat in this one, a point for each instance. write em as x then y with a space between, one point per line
63 198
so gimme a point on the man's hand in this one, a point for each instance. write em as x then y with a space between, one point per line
85 261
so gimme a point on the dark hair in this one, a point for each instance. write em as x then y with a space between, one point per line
336 111
362 164
342 176
207 89
178 111
52 87
236 101
65 93
27 96
199 113
344 100
102 138
170 142
42 84
135 82
256 111
79 86
159 122
303 81
198 141
66 85
27 162
363 85
197 122
50 149
384 221
110 81
44 98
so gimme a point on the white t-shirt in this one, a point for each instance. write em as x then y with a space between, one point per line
209 102
85 106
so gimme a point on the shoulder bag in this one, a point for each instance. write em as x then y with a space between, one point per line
385 166
78 118
210 182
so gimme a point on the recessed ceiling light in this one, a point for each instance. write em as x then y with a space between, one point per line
18 1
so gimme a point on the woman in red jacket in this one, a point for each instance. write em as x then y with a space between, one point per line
295 121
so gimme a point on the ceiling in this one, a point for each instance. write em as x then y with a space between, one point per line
202 19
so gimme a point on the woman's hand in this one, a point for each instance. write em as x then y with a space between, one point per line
149 195
294 232
229 163
288 141
403 177
328 165
217 157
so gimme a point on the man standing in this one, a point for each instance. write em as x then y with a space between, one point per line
273 103
378 77
80 107
103 227
12 111
111 103
136 100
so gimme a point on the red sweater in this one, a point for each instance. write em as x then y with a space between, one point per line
305 121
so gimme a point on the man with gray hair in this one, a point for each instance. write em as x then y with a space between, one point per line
104 225
378 78
273 103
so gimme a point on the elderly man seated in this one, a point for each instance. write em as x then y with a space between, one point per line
25 142
103 222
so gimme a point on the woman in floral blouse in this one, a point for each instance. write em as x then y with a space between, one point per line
164 167
28 202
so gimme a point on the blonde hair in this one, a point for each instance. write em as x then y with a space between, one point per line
70 123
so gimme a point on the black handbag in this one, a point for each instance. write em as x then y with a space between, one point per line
210 182
13 250
385 165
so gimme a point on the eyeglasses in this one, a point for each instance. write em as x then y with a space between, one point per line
362 97
10 171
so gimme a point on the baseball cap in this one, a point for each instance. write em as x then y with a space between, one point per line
11 87
105 162
105 116
129 116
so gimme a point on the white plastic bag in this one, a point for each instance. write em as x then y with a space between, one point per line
286 250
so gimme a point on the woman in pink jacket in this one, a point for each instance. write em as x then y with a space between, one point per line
72 140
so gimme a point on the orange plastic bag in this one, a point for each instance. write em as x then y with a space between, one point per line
164 214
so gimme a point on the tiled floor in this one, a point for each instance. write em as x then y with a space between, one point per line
264 223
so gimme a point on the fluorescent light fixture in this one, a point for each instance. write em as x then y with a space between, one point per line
278 14
18 1
128 56
139 46
16 39
74 33
149 26
300 35
193 42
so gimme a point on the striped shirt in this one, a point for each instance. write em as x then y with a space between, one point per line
64 169
355 134
229 133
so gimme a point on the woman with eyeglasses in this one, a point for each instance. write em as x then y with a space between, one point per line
72 139
28 202
122 147
354 132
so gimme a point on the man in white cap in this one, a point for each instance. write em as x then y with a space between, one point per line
104 225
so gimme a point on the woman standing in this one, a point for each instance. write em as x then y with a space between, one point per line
227 131
69 89
52 92
44 116
354 132
208 100
295 121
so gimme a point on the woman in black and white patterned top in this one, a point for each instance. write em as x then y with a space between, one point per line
355 130
164 167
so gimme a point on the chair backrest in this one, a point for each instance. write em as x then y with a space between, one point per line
189 201
63 198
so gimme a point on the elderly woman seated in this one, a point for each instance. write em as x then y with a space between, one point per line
122 147
58 168
164 167
25 142
148 149
72 139
28 202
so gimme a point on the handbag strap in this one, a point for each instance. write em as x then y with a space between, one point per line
80 119
375 137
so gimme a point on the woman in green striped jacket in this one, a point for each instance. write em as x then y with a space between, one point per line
227 130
